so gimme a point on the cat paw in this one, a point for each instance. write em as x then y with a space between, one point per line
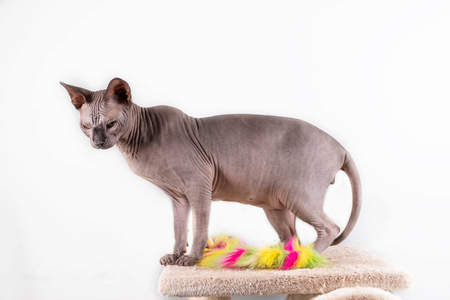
169 259
186 261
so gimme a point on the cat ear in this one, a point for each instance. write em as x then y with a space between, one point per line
78 95
118 90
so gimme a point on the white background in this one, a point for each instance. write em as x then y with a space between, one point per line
75 223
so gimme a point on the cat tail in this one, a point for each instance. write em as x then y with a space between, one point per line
349 168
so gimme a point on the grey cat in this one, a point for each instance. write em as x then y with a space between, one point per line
282 165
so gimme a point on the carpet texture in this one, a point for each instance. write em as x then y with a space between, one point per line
351 266
349 293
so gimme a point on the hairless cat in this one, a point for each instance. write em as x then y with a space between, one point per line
282 165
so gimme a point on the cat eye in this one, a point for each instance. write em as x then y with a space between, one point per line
111 124
86 126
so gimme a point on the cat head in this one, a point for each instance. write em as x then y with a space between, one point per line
103 114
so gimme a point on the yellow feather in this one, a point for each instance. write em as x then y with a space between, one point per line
213 255
304 256
267 257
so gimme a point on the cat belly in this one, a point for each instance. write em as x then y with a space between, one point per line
263 200
253 202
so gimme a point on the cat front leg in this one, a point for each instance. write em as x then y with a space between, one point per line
181 210
201 206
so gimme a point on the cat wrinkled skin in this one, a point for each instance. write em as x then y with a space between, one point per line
282 165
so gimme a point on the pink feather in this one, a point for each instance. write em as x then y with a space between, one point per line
292 257
231 258
290 245
290 260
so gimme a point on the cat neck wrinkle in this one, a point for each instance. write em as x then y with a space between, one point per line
140 130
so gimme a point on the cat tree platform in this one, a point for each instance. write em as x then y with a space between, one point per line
354 273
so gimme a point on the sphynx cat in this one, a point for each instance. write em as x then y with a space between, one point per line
282 165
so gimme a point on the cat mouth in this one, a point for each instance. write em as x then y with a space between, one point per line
101 146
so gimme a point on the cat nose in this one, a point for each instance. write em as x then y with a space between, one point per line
99 137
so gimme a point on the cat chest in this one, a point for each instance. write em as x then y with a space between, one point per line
159 172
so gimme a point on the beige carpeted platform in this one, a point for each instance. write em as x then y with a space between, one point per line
348 293
351 266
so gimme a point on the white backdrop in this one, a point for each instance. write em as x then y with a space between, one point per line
75 223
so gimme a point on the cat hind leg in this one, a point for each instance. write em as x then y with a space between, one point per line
283 221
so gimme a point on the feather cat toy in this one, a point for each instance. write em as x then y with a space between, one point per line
227 252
